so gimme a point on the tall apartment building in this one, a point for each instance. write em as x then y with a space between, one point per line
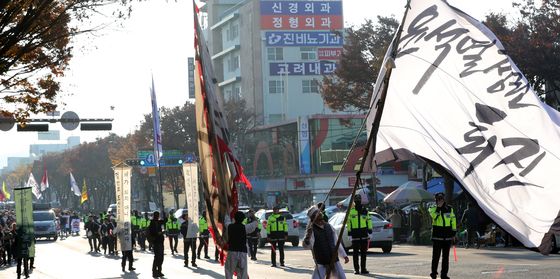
274 54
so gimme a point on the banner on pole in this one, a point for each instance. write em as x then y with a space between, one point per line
190 174
122 194
24 220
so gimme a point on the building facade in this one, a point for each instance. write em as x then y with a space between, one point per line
274 54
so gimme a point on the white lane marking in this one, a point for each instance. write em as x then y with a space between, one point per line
504 271
407 264
400 275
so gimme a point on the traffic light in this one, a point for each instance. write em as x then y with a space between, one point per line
33 128
96 126
135 162
172 161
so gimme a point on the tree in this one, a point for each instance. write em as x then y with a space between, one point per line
364 49
533 42
35 50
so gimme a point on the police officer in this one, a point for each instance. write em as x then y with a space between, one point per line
444 228
359 227
134 221
277 233
253 236
143 223
172 230
204 235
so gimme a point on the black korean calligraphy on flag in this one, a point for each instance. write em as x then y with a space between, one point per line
219 168
456 98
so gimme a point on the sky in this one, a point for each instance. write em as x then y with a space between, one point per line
114 67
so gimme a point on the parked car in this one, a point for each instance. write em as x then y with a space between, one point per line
302 218
556 243
332 210
244 209
45 224
381 237
293 234
112 210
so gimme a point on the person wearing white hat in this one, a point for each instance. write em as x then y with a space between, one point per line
321 239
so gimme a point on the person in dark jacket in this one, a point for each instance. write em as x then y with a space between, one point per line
236 260
21 252
92 231
155 234
253 237
444 228
321 239
189 231
470 222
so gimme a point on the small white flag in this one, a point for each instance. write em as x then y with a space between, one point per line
34 186
74 187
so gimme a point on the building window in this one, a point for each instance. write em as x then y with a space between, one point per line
233 63
275 53
310 86
232 32
227 94
276 86
236 93
275 117
308 53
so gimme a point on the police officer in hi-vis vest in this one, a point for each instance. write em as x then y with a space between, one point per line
359 227
172 231
277 233
444 228
143 223
204 235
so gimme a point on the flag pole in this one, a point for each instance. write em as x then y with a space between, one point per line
372 139
160 188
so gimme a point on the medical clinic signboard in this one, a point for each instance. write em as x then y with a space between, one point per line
304 24
301 15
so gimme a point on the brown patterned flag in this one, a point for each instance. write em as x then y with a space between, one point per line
219 168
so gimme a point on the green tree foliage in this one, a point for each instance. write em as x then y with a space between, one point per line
35 49
364 48
533 42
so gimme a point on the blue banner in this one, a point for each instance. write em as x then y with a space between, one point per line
302 68
301 7
280 38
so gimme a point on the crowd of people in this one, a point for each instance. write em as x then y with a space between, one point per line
15 244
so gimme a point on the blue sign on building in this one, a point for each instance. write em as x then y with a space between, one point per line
302 68
303 38
301 7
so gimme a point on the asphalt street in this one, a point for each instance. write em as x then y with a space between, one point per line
70 258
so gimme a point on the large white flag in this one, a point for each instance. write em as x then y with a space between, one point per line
74 186
456 98
34 186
